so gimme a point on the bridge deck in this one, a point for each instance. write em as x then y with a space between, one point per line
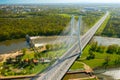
60 67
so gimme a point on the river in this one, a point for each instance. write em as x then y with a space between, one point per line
17 44
12 45
114 73
106 41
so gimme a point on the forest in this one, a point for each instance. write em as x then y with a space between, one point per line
43 23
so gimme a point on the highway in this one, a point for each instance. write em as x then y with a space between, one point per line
61 66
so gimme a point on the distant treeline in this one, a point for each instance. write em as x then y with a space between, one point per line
90 18
13 26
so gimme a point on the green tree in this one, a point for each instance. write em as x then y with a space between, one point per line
118 51
91 55
112 48
106 61
94 46
24 50
47 22
117 61
101 49
49 47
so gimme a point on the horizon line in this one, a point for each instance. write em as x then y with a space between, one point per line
61 3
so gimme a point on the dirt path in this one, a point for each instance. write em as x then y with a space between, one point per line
87 68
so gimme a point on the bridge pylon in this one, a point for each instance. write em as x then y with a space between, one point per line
75 30
79 37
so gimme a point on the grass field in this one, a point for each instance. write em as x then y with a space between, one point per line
65 15
97 61
77 65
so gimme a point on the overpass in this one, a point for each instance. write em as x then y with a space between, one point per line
61 66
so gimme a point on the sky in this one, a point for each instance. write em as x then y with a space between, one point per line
56 1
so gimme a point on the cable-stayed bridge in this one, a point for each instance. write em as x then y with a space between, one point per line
75 45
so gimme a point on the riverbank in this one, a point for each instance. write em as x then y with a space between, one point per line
17 77
10 46
3 57
17 44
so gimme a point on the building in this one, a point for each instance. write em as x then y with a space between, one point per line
40 47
